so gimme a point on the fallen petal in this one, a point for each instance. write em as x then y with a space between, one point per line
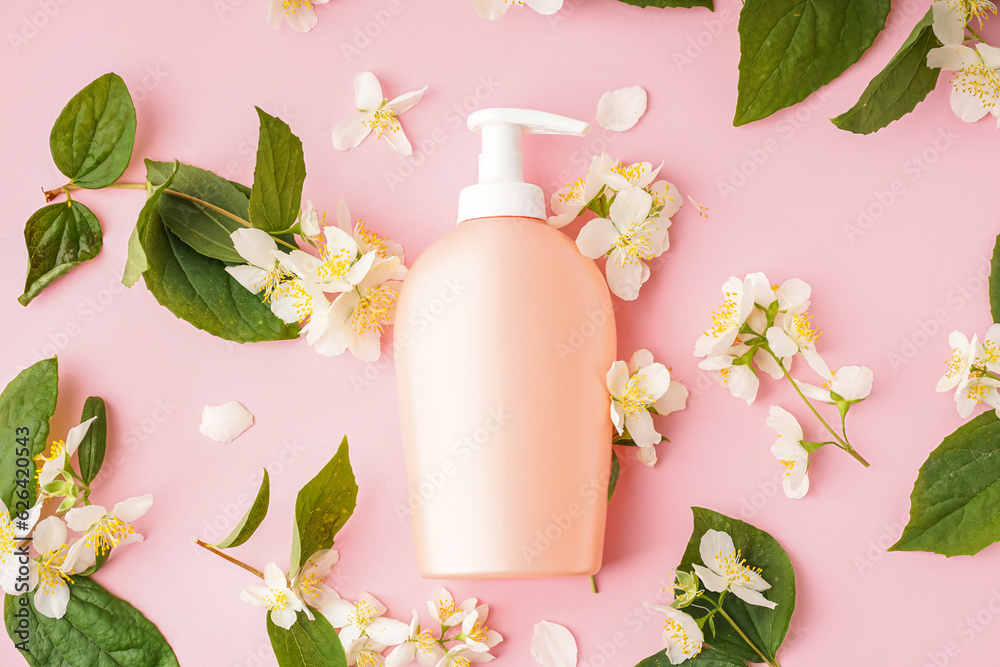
552 645
225 423
621 109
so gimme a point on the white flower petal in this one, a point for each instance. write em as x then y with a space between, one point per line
553 645
52 601
621 109
256 247
50 534
673 400
781 343
367 92
597 237
76 435
406 101
753 597
226 422
350 133
131 509
713 582
81 519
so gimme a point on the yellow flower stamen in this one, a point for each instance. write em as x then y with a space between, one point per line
635 399
446 608
362 614
310 585
50 574
276 600
979 81
635 243
574 191
8 541
425 641
375 309
370 240
479 632
383 120
108 534
789 467
725 317
462 661
370 659
632 172
733 566
302 301
802 324
292 6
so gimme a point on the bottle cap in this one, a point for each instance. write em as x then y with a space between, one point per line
501 190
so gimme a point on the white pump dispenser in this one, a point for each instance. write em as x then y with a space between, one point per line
501 190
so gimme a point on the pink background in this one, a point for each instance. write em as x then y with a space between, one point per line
886 292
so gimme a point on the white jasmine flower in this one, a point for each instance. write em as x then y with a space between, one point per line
298 300
740 378
792 295
553 645
952 16
479 637
265 267
12 532
371 243
309 582
46 575
793 333
628 236
103 530
226 422
300 14
620 177
364 652
494 9
357 318
726 320
726 570
789 451
375 114
463 655
681 634
340 265
60 453
666 199
963 354
976 86
420 645
621 109
276 596
310 223
364 619
634 389
444 611
572 199
851 383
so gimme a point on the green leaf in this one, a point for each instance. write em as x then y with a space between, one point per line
955 504
245 529
92 138
26 406
898 88
765 627
199 290
94 443
136 262
323 506
708 657
791 48
995 282
98 630
616 469
307 643
671 3
278 176
205 230
59 237
100 558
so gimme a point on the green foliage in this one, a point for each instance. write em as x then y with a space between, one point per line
59 237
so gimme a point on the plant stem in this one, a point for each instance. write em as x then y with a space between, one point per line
973 31
593 584
66 189
773 663
841 442
248 568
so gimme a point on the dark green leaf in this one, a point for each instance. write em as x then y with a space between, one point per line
26 406
100 558
94 443
278 176
765 627
245 529
323 506
307 643
670 3
59 237
136 262
98 630
200 290
92 139
791 48
995 282
898 88
616 468
955 504
205 230
708 657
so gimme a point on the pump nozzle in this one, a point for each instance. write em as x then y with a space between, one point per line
501 190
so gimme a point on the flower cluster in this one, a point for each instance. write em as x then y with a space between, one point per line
633 215
973 371
763 327
976 85
57 556
724 570
460 637
344 293
640 389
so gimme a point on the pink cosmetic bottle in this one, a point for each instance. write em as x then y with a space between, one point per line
504 333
